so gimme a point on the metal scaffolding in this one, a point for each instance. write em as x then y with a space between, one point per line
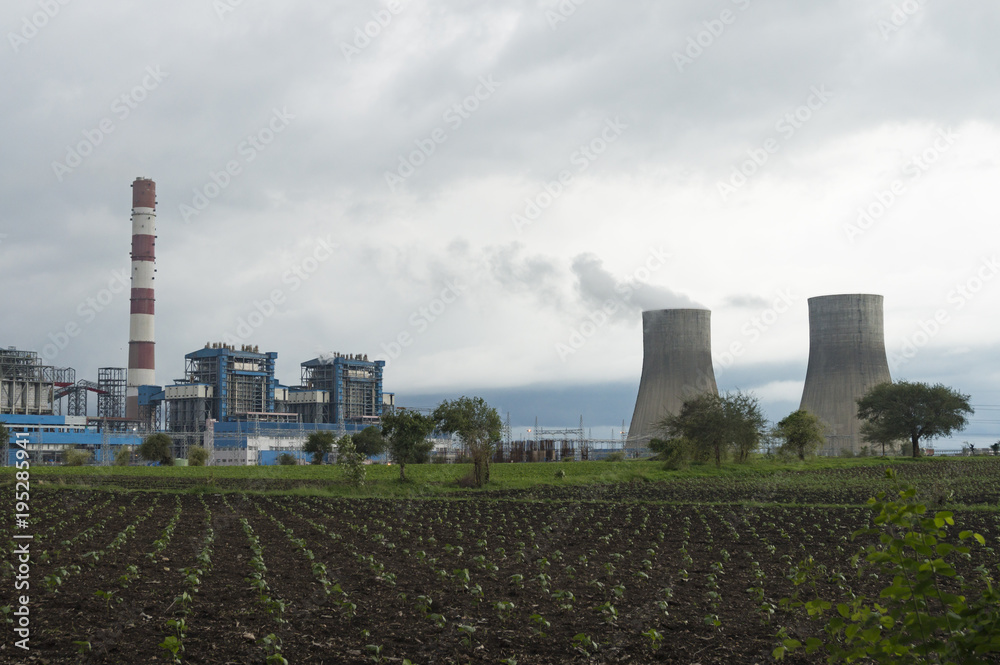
112 381
27 387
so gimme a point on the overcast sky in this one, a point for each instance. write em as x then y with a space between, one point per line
488 194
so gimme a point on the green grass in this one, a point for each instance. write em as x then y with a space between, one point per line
432 479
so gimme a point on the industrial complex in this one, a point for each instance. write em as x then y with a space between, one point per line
846 358
230 401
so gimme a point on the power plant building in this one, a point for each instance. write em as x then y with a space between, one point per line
337 389
220 383
676 365
27 386
846 359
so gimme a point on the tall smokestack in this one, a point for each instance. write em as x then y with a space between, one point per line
676 365
141 349
846 358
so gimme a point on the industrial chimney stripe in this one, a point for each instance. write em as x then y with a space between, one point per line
142 349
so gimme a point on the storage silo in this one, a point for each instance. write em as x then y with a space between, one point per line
676 365
846 358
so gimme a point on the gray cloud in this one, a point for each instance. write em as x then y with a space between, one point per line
351 122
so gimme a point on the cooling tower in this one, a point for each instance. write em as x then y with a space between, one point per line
846 358
141 355
676 365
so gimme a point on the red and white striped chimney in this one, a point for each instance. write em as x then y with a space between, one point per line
141 344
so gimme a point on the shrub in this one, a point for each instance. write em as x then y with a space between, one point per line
617 456
123 457
351 461
287 459
158 448
74 457
927 613
197 456
675 453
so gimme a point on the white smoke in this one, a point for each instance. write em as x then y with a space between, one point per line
596 286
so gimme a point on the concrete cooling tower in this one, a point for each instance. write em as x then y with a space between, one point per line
846 358
676 365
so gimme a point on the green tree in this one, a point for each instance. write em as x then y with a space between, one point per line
745 423
318 444
802 432
478 425
158 448
700 422
369 442
197 456
405 432
351 461
287 459
914 411
715 425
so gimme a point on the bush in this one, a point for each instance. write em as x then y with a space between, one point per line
675 453
123 457
74 457
846 452
927 613
617 456
158 448
351 461
287 459
197 456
